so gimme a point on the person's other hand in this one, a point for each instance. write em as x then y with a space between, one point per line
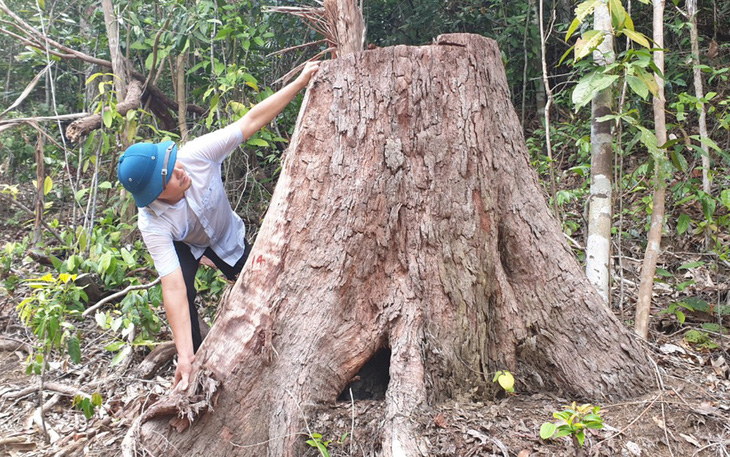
182 373
310 69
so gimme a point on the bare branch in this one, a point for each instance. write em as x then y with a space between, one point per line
62 117
292 48
154 53
27 91
121 293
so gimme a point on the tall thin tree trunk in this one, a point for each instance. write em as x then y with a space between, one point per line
653 246
525 61
9 62
89 90
541 97
699 92
546 86
180 93
600 210
119 66
40 184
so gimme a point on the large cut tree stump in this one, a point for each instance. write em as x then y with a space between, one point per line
406 217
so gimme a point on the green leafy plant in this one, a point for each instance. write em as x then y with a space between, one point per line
315 440
87 405
700 339
49 311
573 421
695 305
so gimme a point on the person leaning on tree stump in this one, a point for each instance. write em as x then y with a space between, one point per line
184 213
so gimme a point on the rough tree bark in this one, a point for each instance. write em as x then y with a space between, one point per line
40 185
406 217
347 23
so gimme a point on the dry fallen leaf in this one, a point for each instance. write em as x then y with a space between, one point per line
439 421
659 422
690 439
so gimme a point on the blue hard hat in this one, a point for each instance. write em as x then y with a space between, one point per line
140 169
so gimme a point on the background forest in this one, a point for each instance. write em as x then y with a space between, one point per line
78 287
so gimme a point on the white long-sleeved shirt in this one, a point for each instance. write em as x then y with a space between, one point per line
204 217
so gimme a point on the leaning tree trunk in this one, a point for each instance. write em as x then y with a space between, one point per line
654 238
406 217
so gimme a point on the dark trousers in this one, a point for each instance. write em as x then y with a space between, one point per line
189 266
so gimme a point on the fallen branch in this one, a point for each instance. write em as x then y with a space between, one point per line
83 126
19 393
50 386
13 345
64 389
162 354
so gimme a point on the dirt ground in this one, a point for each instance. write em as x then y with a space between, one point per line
686 412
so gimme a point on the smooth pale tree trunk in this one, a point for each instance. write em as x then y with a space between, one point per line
598 243
653 246
9 63
548 91
541 96
407 218
119 65
700 93
180 95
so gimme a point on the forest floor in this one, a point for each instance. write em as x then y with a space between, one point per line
686 411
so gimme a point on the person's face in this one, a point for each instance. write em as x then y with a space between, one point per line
178 182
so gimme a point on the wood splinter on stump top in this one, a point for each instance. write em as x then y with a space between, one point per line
406 217
345 19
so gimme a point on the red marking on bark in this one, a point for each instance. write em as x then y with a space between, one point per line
257 260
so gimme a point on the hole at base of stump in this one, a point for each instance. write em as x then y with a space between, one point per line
371 382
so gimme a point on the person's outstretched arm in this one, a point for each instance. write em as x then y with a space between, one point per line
175 299
265 111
